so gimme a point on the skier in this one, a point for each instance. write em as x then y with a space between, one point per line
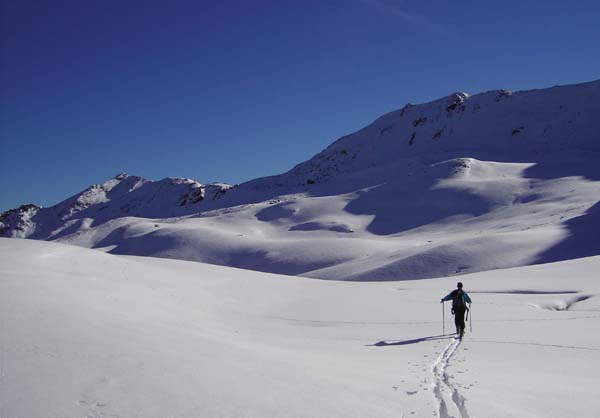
459 298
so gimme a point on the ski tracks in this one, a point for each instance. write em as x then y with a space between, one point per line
449 400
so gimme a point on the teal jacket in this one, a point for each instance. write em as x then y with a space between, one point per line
450 296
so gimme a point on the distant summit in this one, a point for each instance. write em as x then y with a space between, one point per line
499 125
464 183
122 196
17 222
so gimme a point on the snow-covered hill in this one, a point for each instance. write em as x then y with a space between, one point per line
458 185
87 334
121 196
498 125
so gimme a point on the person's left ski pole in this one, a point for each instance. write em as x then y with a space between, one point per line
443 320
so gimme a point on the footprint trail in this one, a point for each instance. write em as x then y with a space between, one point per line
450 402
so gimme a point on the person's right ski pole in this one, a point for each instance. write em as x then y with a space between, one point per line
471 321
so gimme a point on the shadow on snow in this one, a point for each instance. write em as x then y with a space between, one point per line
414 341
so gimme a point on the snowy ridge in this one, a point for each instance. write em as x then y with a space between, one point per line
465 183
121 196
500 125
17 222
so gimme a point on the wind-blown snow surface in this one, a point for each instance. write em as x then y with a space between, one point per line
458 185
88 334
444 218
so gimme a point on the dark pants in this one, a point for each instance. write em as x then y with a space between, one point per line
459 317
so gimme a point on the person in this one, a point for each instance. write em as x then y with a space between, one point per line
459 298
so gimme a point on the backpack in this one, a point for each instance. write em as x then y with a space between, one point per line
458 300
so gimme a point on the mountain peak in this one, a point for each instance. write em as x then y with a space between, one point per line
121 196
499 125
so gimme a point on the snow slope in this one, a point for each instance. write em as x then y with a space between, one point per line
450 217
121 196
89 334
458 185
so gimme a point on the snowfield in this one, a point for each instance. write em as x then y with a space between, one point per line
183 299
462 184
451 217
89 334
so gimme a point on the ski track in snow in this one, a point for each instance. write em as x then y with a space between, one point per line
445 393
571 347
365 323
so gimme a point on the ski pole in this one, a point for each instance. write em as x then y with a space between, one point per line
471 322
443 320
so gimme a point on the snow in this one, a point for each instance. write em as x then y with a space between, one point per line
90 334
446 218
463 184
121 196
498 190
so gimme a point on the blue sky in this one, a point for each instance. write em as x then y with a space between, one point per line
233 90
